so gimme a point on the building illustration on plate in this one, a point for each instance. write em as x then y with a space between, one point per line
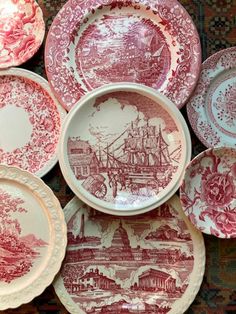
145 166
110 264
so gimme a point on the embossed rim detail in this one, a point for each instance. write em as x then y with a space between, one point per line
181 305
48 200
195 212
166 104
40 32
61 111
57 45
210 69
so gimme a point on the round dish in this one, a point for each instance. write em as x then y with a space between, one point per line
208 192
153 264
96 42
22 30
123 149
212 110
30 121
32 237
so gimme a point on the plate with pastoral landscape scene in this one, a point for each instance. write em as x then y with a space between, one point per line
96 42
32 237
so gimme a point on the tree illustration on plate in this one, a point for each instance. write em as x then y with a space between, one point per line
17 252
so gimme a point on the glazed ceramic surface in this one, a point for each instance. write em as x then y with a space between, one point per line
208 192
30 121
92 43
22 31
153 264
212 109
32 237
123 149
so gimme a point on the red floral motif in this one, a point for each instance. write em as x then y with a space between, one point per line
17 252
21 31
44 117
225 221
218 189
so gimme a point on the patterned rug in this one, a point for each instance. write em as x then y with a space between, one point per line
215 21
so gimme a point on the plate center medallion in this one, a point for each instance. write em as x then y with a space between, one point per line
15 128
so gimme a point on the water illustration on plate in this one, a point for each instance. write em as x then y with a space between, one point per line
142 265
136 157
18 253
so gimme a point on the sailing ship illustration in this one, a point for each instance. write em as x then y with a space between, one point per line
137 160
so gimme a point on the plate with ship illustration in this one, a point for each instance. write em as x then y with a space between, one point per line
212 108
96 42
32 237
123 149
153 264
208 192
30 121
22 30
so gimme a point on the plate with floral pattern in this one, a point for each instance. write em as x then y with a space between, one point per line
32 236
96 42
22 30
151 264
212 108
123 148
30 121
208 192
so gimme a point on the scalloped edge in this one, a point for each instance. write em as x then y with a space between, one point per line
59 234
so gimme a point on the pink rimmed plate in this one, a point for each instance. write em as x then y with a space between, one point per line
212 109
32 237
22 30
151 264
30 121
92 43
208 192
123 149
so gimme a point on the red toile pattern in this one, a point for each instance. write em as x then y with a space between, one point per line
42 114
21 31
115 265
91 43
18 252
208 192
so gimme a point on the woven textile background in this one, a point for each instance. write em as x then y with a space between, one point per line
216 24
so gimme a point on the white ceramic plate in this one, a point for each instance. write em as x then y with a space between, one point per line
151 264
22 30
212 108
32 237
208 192
30 121
123 149
95 42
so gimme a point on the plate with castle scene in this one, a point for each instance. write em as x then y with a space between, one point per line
30 121
96 42
208 192
153 264
212 108
32 237
123 149
22 30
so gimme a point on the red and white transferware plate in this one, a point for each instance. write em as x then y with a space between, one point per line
22 30
208 192
30 121
151 264
95 42
32 236
212 109
123 149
